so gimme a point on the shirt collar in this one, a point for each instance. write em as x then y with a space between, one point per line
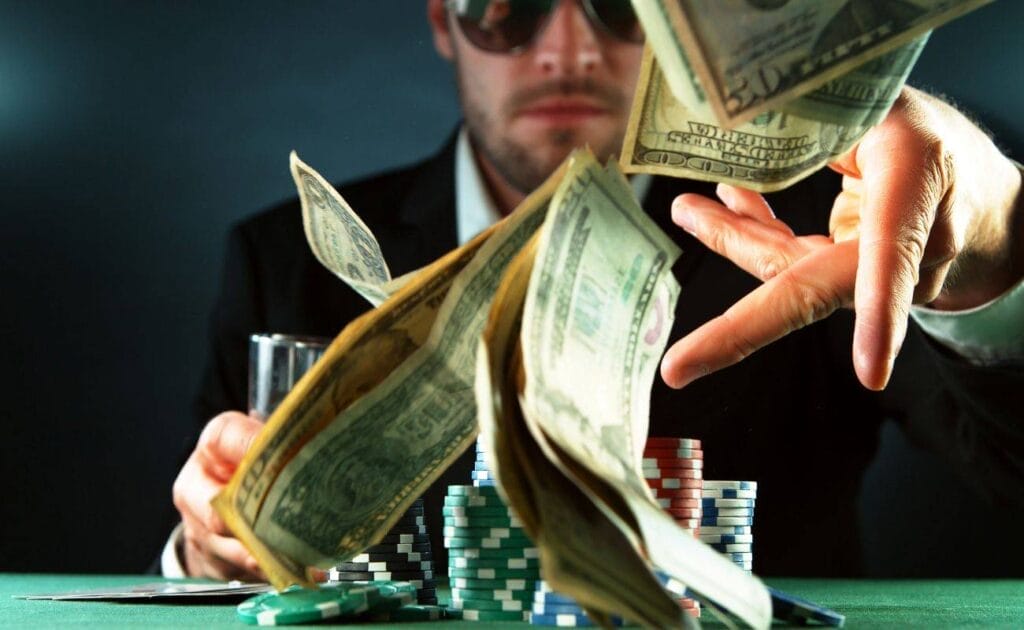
475 211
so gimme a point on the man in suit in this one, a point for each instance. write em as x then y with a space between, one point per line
923 193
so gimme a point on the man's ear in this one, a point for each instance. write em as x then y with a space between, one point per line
438 18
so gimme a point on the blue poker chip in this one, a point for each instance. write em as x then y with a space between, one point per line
481 474
715 512
711 502
726 539
484 483
567 621
714 484
728 521
555 599
556 609
732 547
792 609
719 530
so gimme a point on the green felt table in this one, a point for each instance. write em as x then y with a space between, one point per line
935 604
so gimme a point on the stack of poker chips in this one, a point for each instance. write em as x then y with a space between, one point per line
727 523
674 470
554 609
492 565
402 555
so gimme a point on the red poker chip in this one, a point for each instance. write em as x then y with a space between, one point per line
669 442
685 512
671 473
679 503
677 493
687 523
675 483
666 462
688 453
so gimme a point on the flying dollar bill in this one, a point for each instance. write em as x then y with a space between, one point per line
565 369
602 295
751 56
387 408
339 238
583 551
666 136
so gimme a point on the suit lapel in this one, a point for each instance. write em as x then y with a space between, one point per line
426 220
658 205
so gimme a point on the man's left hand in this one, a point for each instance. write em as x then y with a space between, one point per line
929 213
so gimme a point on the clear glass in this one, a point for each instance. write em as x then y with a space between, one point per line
276 363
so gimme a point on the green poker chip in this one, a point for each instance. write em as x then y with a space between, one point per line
473 511
473 491
487 543
483 532
529 553
390 594
495 574
477 584
482 521
463 594
413 612
474 501
301 605
494 616
491 605
493 563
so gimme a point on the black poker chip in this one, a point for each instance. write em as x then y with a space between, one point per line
404 539
401 576
377 567
392 556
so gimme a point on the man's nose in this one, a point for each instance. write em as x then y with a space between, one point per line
568 45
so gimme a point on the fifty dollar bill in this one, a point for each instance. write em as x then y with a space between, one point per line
751 56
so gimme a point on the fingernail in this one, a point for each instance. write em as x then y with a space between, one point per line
691 373
726 194
685 220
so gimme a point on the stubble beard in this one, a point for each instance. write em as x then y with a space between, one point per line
525 167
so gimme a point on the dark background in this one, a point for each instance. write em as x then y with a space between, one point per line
132 134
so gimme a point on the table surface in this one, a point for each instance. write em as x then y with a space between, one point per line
866 603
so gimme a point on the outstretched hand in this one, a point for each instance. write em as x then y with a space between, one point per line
928 213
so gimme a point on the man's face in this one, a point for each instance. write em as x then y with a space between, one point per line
525 112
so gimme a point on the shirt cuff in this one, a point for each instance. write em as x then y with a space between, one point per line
171 565
990 334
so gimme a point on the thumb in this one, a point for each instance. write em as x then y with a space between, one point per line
225 441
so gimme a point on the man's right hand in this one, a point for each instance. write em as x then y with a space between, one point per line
209 548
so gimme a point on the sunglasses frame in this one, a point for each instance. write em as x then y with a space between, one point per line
588 9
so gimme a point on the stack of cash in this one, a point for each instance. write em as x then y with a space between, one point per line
762 93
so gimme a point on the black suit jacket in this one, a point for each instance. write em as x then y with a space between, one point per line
792 416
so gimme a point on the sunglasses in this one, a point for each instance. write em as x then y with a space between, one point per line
510 26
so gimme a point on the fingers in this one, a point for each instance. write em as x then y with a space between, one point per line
809 290
896 216
193 492
762 250
220 558
750 204
225 441
210 548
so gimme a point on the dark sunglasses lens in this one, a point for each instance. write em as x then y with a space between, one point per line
618 17
501 25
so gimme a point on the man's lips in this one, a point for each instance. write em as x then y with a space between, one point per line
562 110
